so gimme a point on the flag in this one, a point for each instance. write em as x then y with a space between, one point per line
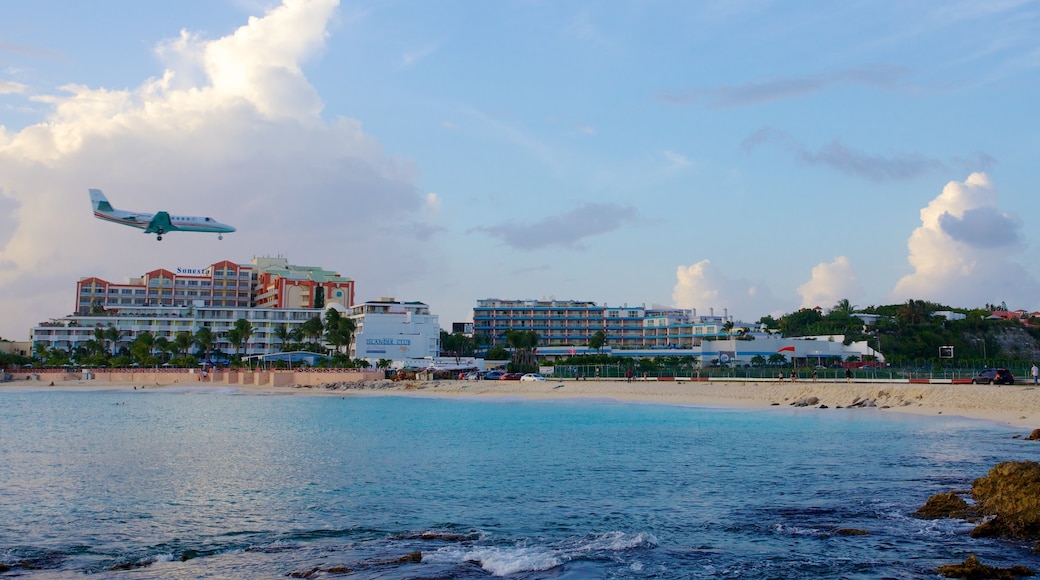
787 348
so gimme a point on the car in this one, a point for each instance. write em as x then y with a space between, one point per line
994 376
510 377
532 377
471 376
493 375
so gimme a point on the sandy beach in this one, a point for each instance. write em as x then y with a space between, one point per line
1016 405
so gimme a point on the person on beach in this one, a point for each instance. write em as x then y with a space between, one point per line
1035 372
814 375
780 377
628 375
848 375
794 377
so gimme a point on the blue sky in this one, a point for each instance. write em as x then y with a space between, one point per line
754 156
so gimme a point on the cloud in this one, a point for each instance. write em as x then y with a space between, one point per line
232 129
703 286
12 88
565 230
830 283
963 251
675 160
411 58
837 156
764 91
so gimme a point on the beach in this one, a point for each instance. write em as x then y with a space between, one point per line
1016 405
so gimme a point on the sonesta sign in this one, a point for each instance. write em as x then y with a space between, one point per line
193 271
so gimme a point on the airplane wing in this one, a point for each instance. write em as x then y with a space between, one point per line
160 224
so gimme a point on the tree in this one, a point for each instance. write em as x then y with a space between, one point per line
313 328
777 359
181 343
597 340
203 339
163 347
524 343
234 337
244 329
113 335
141 348
339 330
758 360
283 334
844 307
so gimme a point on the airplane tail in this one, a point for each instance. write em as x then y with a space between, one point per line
99 201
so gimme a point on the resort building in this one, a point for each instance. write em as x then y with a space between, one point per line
265 283
570 322
269 293
75 330
388 329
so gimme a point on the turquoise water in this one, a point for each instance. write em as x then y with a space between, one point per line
197 484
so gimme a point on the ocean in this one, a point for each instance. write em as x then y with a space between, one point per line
217 484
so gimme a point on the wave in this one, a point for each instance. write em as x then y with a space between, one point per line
506 560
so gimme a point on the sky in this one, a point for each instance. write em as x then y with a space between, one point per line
746 156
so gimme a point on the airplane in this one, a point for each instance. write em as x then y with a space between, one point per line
157 223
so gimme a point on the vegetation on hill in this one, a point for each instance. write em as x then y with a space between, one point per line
912 331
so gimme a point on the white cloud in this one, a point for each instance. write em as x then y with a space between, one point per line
830 283
962 253
675 160
232 129
704 286
11 87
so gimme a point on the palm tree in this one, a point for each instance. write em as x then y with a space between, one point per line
234 337
844 307
313 328
181 343
524 343
163 347
141 349
204 340
114 335
339 331
283 334
244 329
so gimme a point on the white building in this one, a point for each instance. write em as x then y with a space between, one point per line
75 330
388 329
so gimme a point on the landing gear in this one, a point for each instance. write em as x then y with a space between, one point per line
220 237
158 238
159 233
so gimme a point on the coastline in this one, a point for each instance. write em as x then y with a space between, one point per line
1015 405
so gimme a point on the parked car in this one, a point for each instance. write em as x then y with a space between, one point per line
994 376
532 377
493 375
471 376
511 377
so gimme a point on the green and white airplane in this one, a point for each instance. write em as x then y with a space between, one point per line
155 223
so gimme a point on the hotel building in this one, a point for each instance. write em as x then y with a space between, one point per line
388 329
268 293
265 283
571 322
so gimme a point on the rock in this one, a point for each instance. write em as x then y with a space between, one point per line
824 407
1011 493
1034 436
948 504
773 404
805 402
975 570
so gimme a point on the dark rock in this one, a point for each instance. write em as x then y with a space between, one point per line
805 402
339 570
824 407
1011 493
1034 436
306 574
4 568
948 504
773 404
972 569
